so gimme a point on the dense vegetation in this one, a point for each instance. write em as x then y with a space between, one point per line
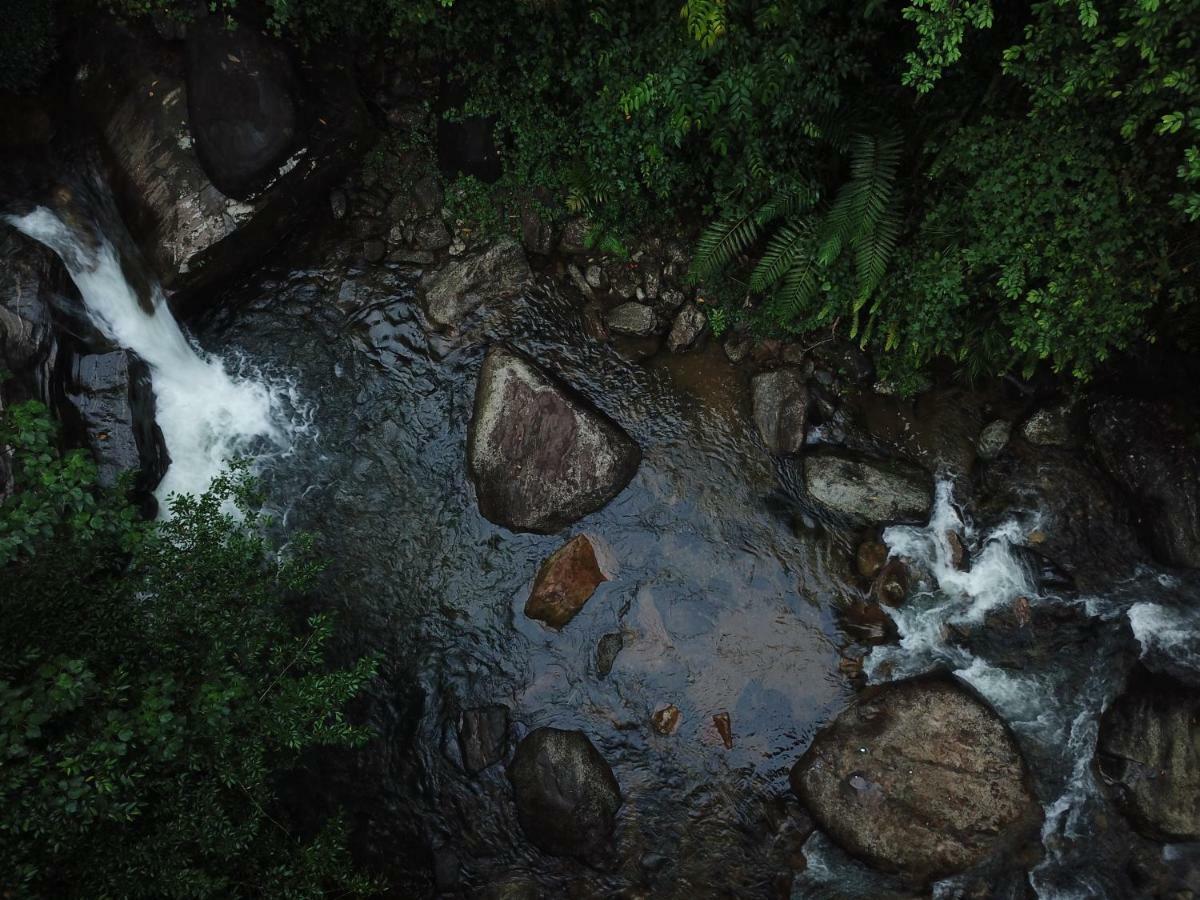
999 185
153 689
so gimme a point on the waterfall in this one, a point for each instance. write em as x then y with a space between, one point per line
207 415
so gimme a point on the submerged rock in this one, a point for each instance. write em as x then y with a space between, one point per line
993 439
918 778
564 583
781 409
868 491
241 104
724 726
540 458
483 736
567 797
1146 446
635 319
463 284
1149 751
891 584
607 649
870 558
666 720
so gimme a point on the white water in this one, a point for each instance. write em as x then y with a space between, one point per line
207 415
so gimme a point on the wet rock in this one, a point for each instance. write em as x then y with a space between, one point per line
101 387
1149 752
339 204
891 584
537 235
411 257
1085 528
918 778
666 720
622 281
993 439
540 458
781 409
686 329
669 301
241 106
564 583
28 273
431 234
870 558
573 239
580 282
865 620
724 726
567 797
868 491
483 737
374 251
1050 427
1150 451
463 284
635 319
960 557
606 652
737 347
607 649
595 277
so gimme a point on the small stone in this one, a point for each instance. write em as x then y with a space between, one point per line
891 584
374 250
580 281
666 720
794 355
737 347
650 282
564 583
687 329
431 234
780 401
623 281
670 300
635 319
606 652
1050 427
595 277
870 558
993 439
724 729
411 257
338 204
458 246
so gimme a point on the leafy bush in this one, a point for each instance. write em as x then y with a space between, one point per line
152 690
26 42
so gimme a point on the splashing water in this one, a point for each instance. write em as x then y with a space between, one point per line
207 415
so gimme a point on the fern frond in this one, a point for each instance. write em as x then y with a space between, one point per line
797 288
721 242
786 204
874 250
787 244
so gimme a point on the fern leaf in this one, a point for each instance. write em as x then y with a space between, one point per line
721 242
874 250
788 243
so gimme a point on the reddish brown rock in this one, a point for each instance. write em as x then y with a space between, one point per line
891 584
568 577
870 558
960 557
666 720
724 728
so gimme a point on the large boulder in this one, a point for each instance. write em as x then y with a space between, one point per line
539 457
1083 527
866 491
918 778
564 583
1149 751
781 409
456 289
28 272
193 214
1147 447
241 104
567 796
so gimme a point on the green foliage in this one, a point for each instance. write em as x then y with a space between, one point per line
26 42
152 691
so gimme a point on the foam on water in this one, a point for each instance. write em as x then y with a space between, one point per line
208 415
1167 632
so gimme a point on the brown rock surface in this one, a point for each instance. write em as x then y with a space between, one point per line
568 577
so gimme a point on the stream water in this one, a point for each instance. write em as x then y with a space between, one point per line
723 599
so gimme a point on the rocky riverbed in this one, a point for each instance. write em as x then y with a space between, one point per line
661 613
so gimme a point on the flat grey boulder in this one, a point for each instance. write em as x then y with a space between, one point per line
462 285
868 491
918 778
1149 752
539 457
781 409
567 796
634 319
